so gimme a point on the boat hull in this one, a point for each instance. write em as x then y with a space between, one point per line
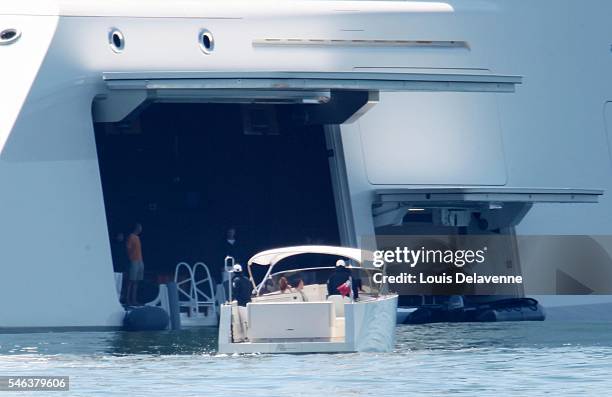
370 327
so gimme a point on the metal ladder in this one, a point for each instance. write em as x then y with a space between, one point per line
197 295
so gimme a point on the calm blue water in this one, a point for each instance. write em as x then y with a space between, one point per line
462 359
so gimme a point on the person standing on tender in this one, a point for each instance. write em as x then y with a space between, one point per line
136 269
339 282
241 292
241 286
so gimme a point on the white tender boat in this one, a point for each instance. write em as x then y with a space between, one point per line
307 320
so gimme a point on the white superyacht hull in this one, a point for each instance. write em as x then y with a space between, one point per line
551 133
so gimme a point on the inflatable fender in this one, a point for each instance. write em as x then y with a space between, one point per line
146 318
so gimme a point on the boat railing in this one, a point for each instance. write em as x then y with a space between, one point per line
204 298
183 278
195 288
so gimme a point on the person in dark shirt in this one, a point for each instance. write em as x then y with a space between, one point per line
241 292
341 275
231 246
241 287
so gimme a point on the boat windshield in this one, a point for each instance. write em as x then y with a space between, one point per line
292 280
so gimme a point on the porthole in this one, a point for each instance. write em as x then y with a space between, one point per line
9 36
116 40
207 41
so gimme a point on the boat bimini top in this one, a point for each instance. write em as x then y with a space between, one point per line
272 257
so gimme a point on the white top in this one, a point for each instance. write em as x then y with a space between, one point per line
273 256
214 9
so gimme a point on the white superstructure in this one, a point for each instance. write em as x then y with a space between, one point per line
441 105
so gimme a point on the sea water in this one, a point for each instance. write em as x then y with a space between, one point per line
501 359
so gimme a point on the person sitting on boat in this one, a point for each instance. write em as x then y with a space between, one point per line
284 286
299 288
241 286
340 277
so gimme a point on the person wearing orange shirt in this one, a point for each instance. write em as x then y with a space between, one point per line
136 270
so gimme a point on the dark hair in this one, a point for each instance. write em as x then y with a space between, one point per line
283 284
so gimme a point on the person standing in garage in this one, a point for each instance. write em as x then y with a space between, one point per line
136 270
